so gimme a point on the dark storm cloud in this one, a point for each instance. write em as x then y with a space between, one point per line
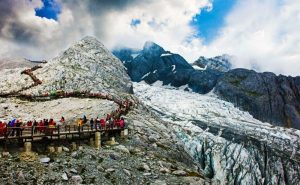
10 25
99 7
107 5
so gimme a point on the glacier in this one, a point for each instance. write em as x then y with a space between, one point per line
229 145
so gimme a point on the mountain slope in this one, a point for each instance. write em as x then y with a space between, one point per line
230 145
270 98
153 64
85 66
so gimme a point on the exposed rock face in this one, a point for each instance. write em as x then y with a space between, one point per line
86 66
270 98
153 64
219 63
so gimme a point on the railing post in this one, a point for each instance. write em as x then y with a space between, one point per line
58 134
32 129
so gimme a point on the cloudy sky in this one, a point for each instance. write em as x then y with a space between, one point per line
260 34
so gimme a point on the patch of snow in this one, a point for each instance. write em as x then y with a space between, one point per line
147 74
155 71
173 67
165 54
134 55
199 68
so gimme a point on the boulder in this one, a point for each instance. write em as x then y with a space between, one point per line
144 167
179 173
122 149
64 177
164 170
45 160
76 179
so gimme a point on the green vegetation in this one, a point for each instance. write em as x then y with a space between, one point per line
237 81
253 94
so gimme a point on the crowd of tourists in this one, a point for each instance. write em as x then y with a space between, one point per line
15 127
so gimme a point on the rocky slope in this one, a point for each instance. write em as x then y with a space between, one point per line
149 156
86 66
230 146
270 98
153 64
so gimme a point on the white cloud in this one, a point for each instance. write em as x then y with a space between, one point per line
260 33
264 34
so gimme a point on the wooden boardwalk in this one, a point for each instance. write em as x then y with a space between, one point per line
24 134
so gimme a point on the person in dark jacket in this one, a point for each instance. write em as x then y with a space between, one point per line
92 123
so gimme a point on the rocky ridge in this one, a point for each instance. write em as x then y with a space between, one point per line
269 98
85 66
153 64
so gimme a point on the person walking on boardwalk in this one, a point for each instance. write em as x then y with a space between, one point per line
35 124
122 123
62 120
84 119
102 123
92 123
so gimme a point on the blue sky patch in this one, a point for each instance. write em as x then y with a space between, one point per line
135 22
50 10
209 23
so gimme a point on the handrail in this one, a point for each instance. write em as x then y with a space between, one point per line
56 130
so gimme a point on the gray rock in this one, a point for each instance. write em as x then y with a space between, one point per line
147 174
127 172
76 179
73 171
122 148
164 170
159 182
144 167
21 177
45 160
153 138
179 173
6 154
109 170
74 154
65 149
100 168
64 177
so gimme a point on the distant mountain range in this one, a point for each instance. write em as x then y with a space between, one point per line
269 98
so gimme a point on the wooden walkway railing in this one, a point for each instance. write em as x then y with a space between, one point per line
57 132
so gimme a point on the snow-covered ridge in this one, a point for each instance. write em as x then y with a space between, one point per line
229 144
